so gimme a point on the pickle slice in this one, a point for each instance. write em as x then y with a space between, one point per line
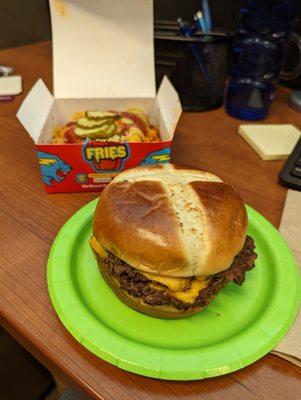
84 122
102 132
101 115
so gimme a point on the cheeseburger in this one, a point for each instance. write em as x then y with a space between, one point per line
168 239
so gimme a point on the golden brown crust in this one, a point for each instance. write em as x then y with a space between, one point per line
171 221
135 222
226 220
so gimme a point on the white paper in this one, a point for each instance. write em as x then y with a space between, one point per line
103 48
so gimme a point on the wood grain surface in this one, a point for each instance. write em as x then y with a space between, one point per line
30 220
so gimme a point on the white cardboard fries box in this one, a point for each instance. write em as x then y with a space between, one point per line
103 59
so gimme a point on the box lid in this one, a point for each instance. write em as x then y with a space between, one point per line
103 48
35 109
169 106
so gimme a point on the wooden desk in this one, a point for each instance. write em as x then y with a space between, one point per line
30 220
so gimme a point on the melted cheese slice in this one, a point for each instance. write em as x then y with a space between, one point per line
189 295
173 284
97 247
184 289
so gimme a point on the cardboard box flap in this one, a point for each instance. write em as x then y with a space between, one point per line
169 104
35 109
103 48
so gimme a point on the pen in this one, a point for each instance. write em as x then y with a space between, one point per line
200 21
207 16
187 32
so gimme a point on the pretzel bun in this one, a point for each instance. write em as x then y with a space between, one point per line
171 221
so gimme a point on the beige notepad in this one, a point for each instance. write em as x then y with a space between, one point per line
271 141
290 346
10 85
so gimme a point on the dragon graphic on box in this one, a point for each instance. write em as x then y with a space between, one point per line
53 168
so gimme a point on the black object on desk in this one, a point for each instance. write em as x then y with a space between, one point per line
290 174
173 57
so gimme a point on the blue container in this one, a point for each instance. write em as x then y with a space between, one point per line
249 98
258 56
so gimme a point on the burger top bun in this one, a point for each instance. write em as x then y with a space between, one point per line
170 220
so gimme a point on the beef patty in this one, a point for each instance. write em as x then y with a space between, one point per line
137 285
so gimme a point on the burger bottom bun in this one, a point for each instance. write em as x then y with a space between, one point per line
138 304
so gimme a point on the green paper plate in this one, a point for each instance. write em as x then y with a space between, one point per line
241 325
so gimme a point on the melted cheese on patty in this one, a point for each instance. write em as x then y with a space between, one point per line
187 295
184 289
174 284
97 247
